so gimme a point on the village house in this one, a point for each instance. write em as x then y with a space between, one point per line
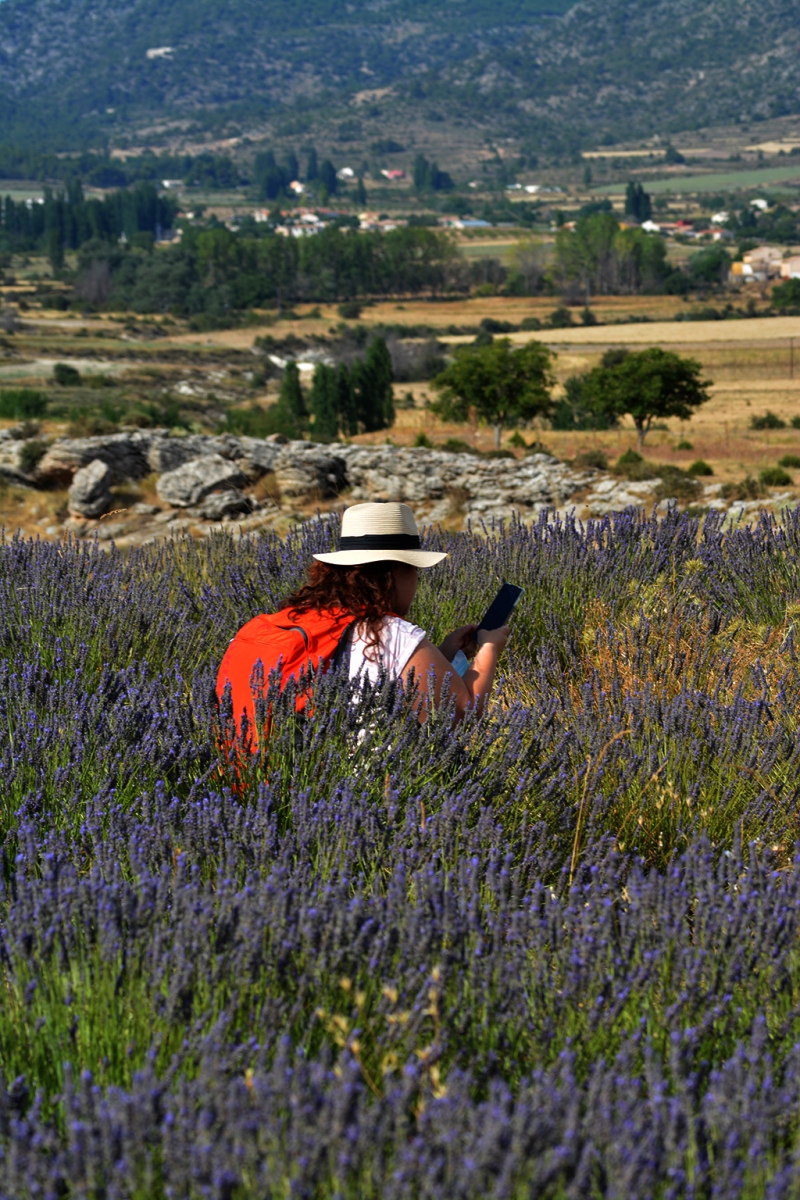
758 265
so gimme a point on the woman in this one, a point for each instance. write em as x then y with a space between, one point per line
353 607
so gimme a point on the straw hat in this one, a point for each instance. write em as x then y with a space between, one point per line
380 533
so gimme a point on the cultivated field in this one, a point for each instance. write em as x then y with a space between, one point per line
754 364
551 954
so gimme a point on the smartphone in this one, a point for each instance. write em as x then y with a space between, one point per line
497 614
501 607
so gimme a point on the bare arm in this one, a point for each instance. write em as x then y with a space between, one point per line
431 668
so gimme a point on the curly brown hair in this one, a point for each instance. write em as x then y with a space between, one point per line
367 591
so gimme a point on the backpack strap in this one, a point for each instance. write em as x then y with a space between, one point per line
342 647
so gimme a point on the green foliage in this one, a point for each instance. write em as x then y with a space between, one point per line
710 265
259 422
684 445
422 441
591 458
786 295
66 376
637 203
518 441
22 404
350 310
647 385
599 256
324 404
499 385
428 177
700 467
789 460
560 318
747 489
31 455
216 272
291 407
673 156
775 477
371 379
572 411
767 420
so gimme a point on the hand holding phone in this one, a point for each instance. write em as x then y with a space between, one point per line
501 608
496 616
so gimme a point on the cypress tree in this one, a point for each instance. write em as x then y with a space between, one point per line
323 404
291 406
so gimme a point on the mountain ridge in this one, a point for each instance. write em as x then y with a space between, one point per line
79 70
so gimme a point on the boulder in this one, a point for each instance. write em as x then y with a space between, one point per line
125 454
190 484
309 471
224 504
90 493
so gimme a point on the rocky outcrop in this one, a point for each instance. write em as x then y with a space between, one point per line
310 471
205 481
191 483
90 493
482 487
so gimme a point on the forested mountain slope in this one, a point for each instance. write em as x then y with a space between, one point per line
601 67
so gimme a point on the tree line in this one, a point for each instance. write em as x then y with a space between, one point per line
66 220
218 272
341 402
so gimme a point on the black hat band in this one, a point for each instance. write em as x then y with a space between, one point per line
381 541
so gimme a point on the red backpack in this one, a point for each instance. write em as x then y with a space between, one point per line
279 643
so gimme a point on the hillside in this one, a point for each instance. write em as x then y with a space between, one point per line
549 74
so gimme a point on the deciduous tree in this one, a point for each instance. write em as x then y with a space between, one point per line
496 384
649 385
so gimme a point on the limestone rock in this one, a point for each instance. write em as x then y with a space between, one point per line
224 504
190 484
303 469
125 454
90 493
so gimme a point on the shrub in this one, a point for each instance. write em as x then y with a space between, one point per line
530 323
676 484
747 489
795 422
560 318
66 376
591 458
769 420
22 404
700 467
774 477
684 445
518 441
350 310
31 455
422 440
499 454
456 446
789 460
630 465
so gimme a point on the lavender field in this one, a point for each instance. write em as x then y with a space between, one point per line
555 954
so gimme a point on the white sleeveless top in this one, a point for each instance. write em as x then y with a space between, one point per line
399 640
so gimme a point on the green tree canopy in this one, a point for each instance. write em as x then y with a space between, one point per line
649 384
290 411
786 295
499 385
